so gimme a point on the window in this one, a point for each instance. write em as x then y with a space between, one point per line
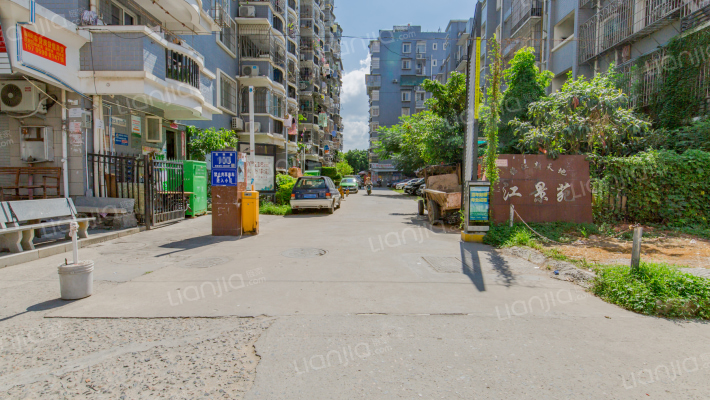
421 47
227 38
375 47
434 63
155 129
121 16
227 89
375 126
406 95
421 96
375 111
406 64
435 46
375 95
375 63
405 111
563 30
406 47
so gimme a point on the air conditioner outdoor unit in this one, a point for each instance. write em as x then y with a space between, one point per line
22 96
257 127
250 70
247 11
237 124
420 56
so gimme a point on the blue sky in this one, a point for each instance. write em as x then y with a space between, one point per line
363 19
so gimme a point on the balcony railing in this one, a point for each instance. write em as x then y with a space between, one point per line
373 81
253 44
182 68
523 11
265 102
278 5
622 20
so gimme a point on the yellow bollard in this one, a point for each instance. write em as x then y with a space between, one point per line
347 193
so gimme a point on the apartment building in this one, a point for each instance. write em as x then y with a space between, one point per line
320 82
585 37
129 76
402 58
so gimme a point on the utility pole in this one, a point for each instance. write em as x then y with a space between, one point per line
252 144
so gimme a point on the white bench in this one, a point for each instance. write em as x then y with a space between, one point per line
18 238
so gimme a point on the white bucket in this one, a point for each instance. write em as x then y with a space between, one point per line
76 281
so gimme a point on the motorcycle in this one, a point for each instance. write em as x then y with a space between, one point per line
369 189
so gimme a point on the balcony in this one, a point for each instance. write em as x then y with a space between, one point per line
623 21
524 13
256 43
373 82
187 16
136 62
695 13
279 6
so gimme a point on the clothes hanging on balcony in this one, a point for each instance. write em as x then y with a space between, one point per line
289 121
323 120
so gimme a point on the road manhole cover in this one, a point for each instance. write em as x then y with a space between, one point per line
308 252
205 262
444 264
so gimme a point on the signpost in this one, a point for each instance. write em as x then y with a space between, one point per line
228 183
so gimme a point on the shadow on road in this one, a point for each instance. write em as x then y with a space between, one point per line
471 265
43 306
197 242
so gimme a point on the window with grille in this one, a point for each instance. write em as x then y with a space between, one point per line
375 47
375 95
227 37
375 63
375 111
227 93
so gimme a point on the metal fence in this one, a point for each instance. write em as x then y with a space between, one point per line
156 186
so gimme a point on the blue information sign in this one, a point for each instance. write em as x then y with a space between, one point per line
224 160
224 177
121 139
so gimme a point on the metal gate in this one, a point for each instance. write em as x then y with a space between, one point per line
157 186
166 191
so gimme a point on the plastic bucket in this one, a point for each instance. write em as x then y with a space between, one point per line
76 281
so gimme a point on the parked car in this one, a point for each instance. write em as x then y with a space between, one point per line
349 184
402 184
318 192
420 190
412 187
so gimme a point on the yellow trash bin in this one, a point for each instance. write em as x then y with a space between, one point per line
250 212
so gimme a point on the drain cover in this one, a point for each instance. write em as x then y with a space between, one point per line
308 252
205 262
444 264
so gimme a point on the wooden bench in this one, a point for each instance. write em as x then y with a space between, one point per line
17 238
51 177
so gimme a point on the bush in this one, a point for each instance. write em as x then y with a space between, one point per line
267 208
284 186
501 235
654 187
332 173
654 289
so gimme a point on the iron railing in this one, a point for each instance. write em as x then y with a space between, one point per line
523 10
166 191
182 68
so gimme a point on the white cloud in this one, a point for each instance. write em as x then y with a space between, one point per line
355 107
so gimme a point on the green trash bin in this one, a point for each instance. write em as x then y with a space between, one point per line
196 183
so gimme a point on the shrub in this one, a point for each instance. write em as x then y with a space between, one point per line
654 187
654 289
267 208
284 186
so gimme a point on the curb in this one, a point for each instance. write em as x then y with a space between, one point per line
48 251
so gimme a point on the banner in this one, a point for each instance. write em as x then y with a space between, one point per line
264 173
39 45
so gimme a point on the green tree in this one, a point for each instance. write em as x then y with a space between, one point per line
525 84
205 141
358 160
430 137
583 117
344 168
448 101
493 115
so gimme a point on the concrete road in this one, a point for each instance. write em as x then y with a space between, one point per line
372 303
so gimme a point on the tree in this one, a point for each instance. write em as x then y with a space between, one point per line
429 137
205 141
344 168
584 116
448 101
525 84
358 160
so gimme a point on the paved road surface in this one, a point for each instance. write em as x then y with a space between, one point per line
369 303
